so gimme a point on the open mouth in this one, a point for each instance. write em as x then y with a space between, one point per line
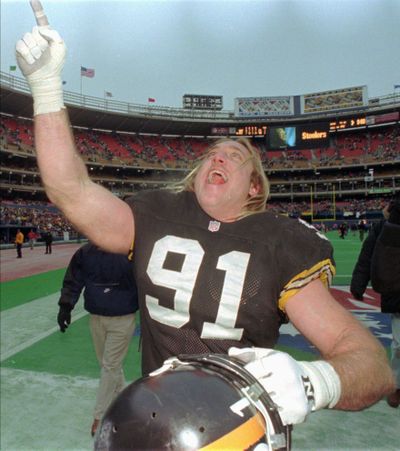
217 177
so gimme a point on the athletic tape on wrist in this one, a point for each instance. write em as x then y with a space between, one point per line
47 95
325 381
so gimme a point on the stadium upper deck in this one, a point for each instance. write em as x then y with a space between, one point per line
103 113
158 144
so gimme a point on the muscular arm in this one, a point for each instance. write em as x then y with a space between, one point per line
93 210
358 358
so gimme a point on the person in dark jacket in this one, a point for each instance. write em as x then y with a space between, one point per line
110 296
362 228
385 279
343 230
383 271
362 270
48 239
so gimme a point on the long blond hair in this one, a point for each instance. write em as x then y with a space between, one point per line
254 204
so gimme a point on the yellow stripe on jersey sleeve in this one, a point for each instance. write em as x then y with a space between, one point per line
323 270
130 253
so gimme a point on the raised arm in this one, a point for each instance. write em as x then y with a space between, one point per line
99 215
93 210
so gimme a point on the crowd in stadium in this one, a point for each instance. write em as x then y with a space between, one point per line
43 215
38 215
161 151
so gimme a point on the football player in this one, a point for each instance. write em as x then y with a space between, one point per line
216 272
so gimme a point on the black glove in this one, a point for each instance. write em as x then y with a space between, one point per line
358 296
64 317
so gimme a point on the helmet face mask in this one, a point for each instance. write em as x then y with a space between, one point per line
202 402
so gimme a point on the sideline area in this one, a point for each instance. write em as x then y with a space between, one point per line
34 261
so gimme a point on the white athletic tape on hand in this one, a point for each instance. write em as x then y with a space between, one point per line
40 56
41 18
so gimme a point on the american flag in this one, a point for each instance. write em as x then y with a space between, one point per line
86 72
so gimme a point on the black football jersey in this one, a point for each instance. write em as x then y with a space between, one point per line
205 286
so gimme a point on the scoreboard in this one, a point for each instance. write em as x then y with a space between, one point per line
251 130
202 102
298 137
352 122
340 124
364 121
284 137
303 136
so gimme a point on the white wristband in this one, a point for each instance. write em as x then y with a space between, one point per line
47 95
325 382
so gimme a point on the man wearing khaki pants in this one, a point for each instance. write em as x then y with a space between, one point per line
110 297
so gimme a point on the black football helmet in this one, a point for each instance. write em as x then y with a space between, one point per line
194 402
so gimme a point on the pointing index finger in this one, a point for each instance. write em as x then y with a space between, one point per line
41 18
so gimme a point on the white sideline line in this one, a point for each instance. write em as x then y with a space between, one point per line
26 324
14 375
33 340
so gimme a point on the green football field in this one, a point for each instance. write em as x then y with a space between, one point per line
49 379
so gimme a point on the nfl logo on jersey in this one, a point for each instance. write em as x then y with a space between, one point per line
213 226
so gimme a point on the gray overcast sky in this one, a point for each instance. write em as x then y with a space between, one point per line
238 48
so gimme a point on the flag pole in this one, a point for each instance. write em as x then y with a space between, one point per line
81 81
